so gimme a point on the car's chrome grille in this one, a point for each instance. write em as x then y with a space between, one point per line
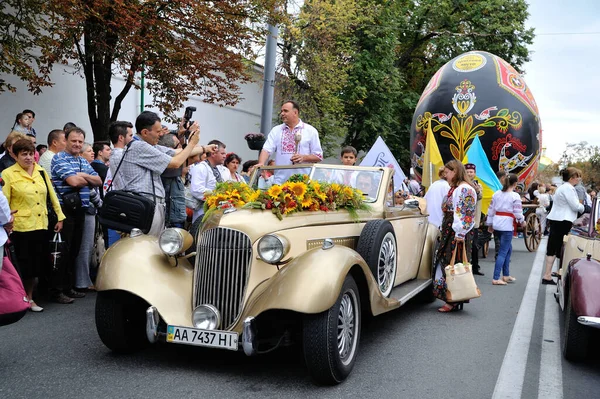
223 263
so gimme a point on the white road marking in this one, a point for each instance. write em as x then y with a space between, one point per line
550 383
512 373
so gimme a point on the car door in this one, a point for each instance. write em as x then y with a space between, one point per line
410 227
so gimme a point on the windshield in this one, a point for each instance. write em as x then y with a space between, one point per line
366 181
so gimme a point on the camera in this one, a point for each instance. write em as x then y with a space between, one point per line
187 117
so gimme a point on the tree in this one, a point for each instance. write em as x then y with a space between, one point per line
20 34
184 48
384 52
586 158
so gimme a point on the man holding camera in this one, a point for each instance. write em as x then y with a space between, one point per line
144 161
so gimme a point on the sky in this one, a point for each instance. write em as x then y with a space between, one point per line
564 73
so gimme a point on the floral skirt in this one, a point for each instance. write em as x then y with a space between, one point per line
444 254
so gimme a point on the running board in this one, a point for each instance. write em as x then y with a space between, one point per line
404 292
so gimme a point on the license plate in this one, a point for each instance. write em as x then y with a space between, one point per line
209 338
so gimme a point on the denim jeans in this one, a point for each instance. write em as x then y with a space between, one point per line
504 252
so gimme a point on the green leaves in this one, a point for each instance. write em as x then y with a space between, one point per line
360 66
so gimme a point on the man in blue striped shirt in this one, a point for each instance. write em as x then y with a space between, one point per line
72 177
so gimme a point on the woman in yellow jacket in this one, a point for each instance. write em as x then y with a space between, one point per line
27 188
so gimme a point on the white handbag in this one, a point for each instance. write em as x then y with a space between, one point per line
191 201
460 282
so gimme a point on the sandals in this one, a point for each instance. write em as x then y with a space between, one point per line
498 282
446 308
509 279
450 308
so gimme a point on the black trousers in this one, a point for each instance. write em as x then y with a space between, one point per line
63 278
475 250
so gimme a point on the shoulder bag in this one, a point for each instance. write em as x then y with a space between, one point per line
72 200
460 282
52 217
124 210
13 299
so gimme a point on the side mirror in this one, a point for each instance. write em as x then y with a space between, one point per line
411 203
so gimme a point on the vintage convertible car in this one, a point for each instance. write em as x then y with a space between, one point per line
578 282
255 282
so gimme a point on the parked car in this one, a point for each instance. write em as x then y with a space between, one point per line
255 282
578 282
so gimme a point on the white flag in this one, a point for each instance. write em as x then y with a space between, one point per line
380 155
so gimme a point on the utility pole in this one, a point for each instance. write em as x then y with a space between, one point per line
266 113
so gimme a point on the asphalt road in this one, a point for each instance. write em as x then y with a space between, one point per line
414 352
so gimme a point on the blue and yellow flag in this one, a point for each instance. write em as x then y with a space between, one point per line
485 174
432 160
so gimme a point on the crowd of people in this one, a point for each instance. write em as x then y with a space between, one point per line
52 194
454 205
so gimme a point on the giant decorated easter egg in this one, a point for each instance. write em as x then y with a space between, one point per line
479 94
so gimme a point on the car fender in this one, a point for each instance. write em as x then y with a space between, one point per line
584 280
137 265
427 256
311 283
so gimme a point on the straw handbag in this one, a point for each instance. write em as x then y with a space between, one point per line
459 279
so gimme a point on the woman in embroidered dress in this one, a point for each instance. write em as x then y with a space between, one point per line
459 218
232 162
505 210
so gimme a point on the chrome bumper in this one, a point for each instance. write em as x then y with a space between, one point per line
589 321
152 320
249 336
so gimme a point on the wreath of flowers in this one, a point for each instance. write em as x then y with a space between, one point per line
297 194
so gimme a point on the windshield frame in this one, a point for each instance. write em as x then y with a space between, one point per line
315 167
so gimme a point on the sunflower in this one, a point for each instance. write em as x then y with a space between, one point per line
253 196
299 189
347 191
307 202
274 191
336 187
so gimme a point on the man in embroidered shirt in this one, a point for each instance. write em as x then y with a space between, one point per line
144 161
281 142
72 176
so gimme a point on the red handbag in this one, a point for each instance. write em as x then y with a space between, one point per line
13 299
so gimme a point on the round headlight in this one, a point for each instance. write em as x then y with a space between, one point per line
171 241
206 317
271 248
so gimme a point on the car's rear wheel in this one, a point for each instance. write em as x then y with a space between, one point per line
377 246
121 321
331 338
577 336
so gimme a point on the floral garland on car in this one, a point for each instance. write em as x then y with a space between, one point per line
297 194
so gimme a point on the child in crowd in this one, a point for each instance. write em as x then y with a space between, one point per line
348 158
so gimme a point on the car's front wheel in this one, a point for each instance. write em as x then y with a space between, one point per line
121 321
575 343
331 338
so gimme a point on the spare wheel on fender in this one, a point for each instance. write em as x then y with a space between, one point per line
377 246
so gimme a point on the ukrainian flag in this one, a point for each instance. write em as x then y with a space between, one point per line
485 174
432 160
